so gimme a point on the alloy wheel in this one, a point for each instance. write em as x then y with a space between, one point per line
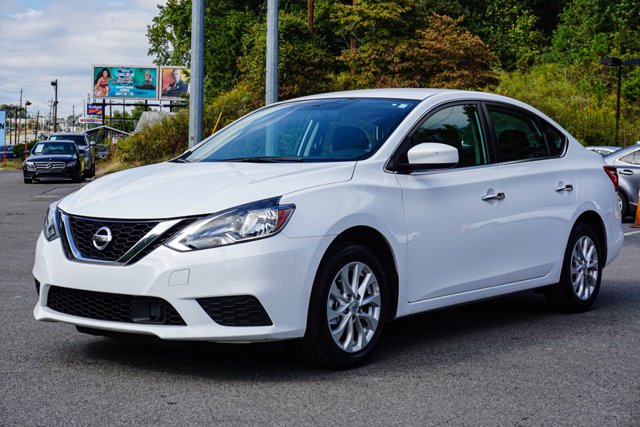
584 268
353 307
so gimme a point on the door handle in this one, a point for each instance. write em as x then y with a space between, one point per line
494 196
567 187
626 172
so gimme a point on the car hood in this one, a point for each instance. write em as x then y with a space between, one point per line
52 158
171 190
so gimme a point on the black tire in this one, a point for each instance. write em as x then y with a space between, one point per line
28 180
318 346
624 204
78 178
564 296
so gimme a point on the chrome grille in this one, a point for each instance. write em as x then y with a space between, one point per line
129 240
50 166
125 236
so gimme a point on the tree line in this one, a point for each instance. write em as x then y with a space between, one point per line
543 52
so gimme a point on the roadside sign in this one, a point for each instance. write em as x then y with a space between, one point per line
94 109
90 120
3 139
3 116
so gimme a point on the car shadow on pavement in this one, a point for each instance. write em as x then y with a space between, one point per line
433 340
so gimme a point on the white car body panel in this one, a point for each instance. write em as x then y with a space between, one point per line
456 226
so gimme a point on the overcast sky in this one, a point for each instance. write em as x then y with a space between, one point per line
43 40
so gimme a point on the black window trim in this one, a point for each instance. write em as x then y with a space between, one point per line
394 165
538 121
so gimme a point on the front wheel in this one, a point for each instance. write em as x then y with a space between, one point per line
581 272
348 309
28 180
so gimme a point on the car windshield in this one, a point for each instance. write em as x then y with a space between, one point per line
54 148
317 130
78 139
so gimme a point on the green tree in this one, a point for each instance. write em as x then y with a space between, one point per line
225 23
304 59
443 55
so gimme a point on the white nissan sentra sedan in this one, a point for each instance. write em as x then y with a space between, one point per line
323 218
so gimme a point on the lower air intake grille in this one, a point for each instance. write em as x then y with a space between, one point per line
240 310
113 307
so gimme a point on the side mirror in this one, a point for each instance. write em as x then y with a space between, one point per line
92 143
432 155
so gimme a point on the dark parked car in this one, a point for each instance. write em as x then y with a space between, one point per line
627 162
54 159
104 150
84 145
8 150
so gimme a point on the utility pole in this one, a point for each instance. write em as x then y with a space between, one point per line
16 120
55 104
271 92
50 112
37 123
73 118
197 72
310 9
26 131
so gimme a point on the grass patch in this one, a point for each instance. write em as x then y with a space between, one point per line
10 164
112 166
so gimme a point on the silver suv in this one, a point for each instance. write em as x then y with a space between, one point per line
84 145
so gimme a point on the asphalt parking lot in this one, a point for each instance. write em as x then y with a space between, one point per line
507 361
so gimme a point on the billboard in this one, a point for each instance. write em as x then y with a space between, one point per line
174 82
123 81
94 109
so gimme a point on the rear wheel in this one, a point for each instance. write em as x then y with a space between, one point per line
623 204
581 272
348 310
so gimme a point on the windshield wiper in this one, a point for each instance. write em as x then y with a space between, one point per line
264 159
179 160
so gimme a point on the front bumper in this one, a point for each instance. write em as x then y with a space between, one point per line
72 172
278 271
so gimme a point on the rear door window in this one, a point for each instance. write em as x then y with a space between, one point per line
632 158
518 136
556 140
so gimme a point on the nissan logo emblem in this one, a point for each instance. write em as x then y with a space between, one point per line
102 238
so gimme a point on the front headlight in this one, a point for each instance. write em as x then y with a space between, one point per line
30 165
52 222
248 222
71 164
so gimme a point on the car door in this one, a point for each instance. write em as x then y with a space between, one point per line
456 218
542 189
628 167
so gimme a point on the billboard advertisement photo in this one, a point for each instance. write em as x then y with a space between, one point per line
174 82
138 82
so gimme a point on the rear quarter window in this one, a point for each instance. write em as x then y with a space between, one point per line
556 140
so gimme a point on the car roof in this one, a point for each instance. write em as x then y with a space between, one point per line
598 147
417 94
68 134
55 141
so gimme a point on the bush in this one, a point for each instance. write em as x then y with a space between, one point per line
577 103
155 143
18 149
